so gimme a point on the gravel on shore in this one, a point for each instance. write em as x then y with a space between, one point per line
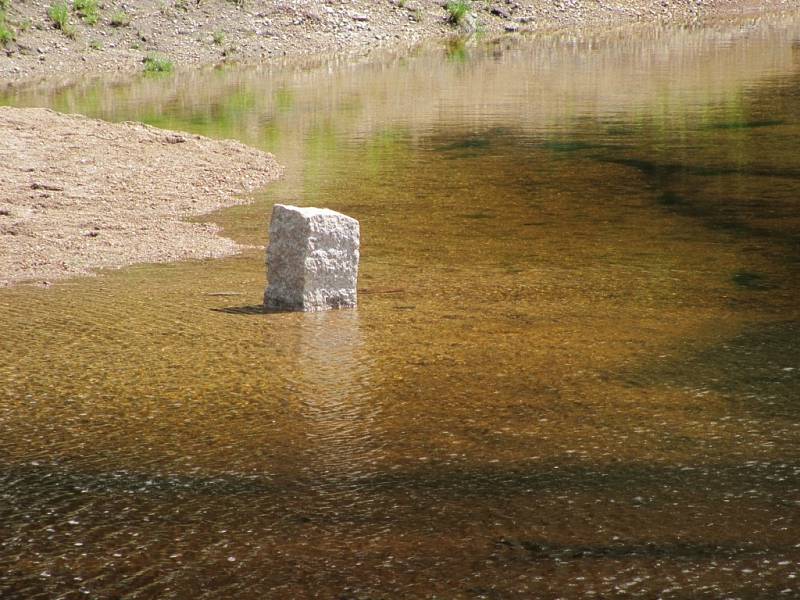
79 194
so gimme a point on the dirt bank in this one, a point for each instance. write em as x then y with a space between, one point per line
117 35
79 194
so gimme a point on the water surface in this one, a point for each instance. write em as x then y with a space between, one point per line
573 372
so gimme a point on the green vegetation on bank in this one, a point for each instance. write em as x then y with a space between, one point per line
87 10
457 11
59 15
120 19
157 64
6 34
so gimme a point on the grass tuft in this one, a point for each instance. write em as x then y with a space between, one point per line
87 10
157 64
120 19
218 37
59 15
457 11
6 34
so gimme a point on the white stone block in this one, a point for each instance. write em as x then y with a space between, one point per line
312 259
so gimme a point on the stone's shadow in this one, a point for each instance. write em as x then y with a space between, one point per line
254 309
260 309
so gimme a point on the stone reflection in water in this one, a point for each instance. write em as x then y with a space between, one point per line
328 376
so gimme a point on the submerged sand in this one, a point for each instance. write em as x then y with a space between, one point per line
78 194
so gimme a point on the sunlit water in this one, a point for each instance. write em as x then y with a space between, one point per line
574 370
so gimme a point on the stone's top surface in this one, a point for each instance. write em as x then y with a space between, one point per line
308 212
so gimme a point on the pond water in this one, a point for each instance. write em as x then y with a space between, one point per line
574 370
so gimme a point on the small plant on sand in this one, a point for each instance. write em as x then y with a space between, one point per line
6 34
218 37
120 19
457 11
96 45
157 64
59 15
87 10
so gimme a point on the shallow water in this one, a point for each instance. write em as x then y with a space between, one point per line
574 370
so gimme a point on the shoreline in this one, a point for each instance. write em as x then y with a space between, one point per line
204 33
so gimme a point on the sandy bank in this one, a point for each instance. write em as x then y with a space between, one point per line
201 32
78 194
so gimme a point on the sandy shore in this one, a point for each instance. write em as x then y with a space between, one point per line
189 33
79 194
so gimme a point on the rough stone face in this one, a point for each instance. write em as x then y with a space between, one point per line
312 259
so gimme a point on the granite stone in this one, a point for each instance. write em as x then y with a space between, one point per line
312 259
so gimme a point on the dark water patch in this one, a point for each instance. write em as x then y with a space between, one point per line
757 371
678 550
572 146
664 171
627 484
752 281
747 124
67 481
731 217
672 199
467 144
477 215
713 217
